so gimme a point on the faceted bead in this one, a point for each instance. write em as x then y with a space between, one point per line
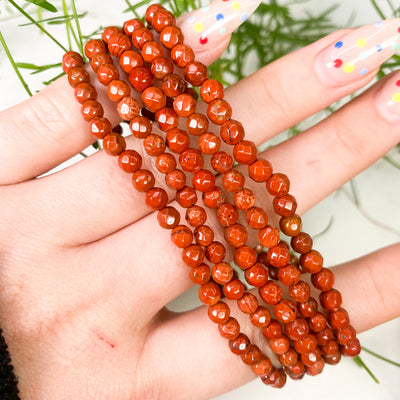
308 308
140 127
165 163
197 124
333 360
271 293
233 180
195 73
257 275
182 55
290 226
181 236
91 109
338 319
245 257
203 235
219 111
221 162
176 179
219 313
177 140
273 330
70 60
107 73
170 36
344 335
330 349
279 345
203 180
261 317
168 217
244 199
311 262
129 60
94 46
191 160
156 198
143 180
154 99
100 59
317 322
323 280
84 91
222 273
299 291
297 329
279 255
236 235
278 185
116 90
152 50
234 289
184 105
209 143
248 303
196 216
240 345
173 85
306 345
140 78
130 161
186 197
211 90
232 132
100 127
325 336
263 367
285 311
229 329
289 358
140 36
119 43
167 119
215 252
269 236
289 275
260 170
161 67
161 19
151 10
193 255
302 243
110 31
154 145
352 348
296 371
209 294
245 152
310 358
214 198
129 26
77 75
114 144
276 379
128 108
252 356
315 368
285 206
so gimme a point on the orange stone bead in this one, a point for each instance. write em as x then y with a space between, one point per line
119 43
176 179
285 311
236 235
276 379
273 330
297 329
269 236
219 111
181 236
240 345
184 105
215 252
289 358
279 255
152 50
168 217
256 218
161 19
77 75
140 36
244 199
325 336
94 46
129 60
317 322
344 335
70 60
128 108
248 303
211 90
170 36
100 59
165 163
300 291
222 273
107 73
173 85
177 140
191 160
232 132
338 319
221 162
203 180
129 26
308 308
309 359
271 293
143 180
245 152
233 180
260 170
285 206
229 329
154 145
278 185
296 371
209 143
84 91
117 90
186 197
323 280
153 98
306 345
182 55
311 262
161 67
110 31
257 275
263 367
289 275
214 198
100 127
167 119
302 243
352 348
140 79
114 144
91 109
130 161
193 255
290 226
219 313
203 235
197 124
195 73
156 198
279 345
261 317
245 257
151 10
196 216
252 356
140 127
209 294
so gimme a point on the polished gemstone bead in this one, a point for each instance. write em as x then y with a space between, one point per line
140 127
140 36
195 73
222 273
338 319
297 329
110 31
324 336
352 348
200 274
289 358
100 127
261 317
168 217
276 379
186 197
219 313
114 144
273 330
240 345
184 105
244 199
285 311
278 185
165 163
100 59
129 60
128 108
94 46
152 50
215 252
209 143
140 78
323 280
77 75
154 145
197 124
296 371
211 90
308 308
309 359
167 119
236 235
306 345
248 303
232 132
317 322
119 43
279 345
285 206
182 55
161 67
173 85
263 367
170 36
191 160
129 26
279 255
233 180
203 180
130 161
176 179
143 180
234 289
302 243
252 356
209 294
290 226
300 291
161 19
245 152
117 90
329 349
257 275
153 98
196 216
193 255
245 257
229 329
70 60
203 235
221 162
177 140
91 109
316 368
271 293
333 360
181 236
344 335
85 91
151 10
311 262
156 198
289 274
269 236
214 198
219 111
260 170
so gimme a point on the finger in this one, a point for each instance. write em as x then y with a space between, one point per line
370 293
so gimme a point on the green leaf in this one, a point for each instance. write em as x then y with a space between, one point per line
44 4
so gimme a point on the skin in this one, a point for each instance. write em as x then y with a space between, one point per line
82 285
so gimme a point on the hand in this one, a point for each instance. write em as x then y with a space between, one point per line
86 271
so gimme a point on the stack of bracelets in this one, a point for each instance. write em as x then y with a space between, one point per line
303 338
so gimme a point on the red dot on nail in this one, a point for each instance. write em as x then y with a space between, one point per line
398 30
337 63
203 40
398 83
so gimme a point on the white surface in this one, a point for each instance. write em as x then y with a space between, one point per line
352 234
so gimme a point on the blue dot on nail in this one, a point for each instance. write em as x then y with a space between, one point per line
191 19
338 45
378 24
219 17
244 16
378 48
363 71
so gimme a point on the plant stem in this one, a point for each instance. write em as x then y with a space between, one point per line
78 27
23 12
67 25
14 65
361 363
132 9
381 357
378 10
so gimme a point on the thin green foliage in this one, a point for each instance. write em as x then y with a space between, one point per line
362 364
44 4
396 364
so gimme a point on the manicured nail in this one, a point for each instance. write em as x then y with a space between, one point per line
387 99
359 52
210 24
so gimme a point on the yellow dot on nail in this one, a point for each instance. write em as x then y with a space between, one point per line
348 68
361 42
236 5
396 97
198 26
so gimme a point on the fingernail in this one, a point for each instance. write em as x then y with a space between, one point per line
358 53
387 99
210 24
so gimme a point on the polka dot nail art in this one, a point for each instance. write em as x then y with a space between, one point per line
358 53
387 99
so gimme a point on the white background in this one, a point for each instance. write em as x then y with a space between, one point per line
351 236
